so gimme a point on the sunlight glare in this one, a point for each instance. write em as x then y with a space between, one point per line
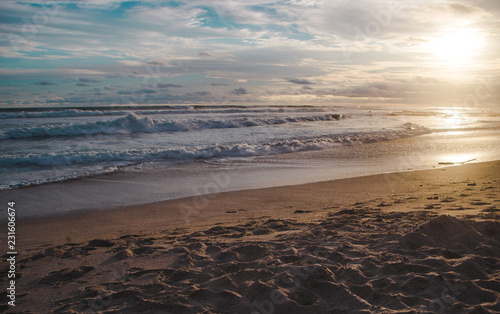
457 45
456 159
453 118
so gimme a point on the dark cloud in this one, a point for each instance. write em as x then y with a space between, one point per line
88 80
219 84
81 84
199 93
136 91
44 83
205 54
167 85
307 88
239 91
299 81
114 75
155 63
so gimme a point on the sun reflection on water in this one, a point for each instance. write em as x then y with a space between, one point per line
455 159
454 119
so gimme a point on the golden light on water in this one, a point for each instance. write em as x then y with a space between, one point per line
456 159
454 119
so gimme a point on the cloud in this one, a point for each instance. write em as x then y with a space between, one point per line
427 80
199 93
88 80
167 85
298 81
155 63
45 83
337 45
412 39
205 54
136 91
239 91
463 9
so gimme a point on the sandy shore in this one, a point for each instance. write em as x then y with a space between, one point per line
413 242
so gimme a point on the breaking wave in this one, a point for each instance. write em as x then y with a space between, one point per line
66 113
134 124
207 152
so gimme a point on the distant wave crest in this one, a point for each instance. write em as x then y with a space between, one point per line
67 113
59 114
132 123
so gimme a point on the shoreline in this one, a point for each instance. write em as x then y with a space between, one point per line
186 210
173 181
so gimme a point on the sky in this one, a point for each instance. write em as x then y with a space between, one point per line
283 52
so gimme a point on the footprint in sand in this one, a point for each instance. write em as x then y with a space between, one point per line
300 211
65 275
384 204
433 206
100 243
479 203
123 254
459 208
491 209
448 200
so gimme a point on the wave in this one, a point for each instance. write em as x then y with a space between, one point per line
134 124
67 113
59 114
189 153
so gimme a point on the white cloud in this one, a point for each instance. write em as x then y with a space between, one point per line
352 43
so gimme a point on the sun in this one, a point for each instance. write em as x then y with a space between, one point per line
457 45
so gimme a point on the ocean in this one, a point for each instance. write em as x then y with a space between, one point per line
47 145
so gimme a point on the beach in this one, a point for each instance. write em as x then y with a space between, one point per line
262 157
403 242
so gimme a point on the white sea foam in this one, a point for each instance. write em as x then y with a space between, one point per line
206 152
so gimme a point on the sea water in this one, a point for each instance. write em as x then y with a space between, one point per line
40 146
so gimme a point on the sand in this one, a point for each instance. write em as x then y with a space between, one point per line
412 242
